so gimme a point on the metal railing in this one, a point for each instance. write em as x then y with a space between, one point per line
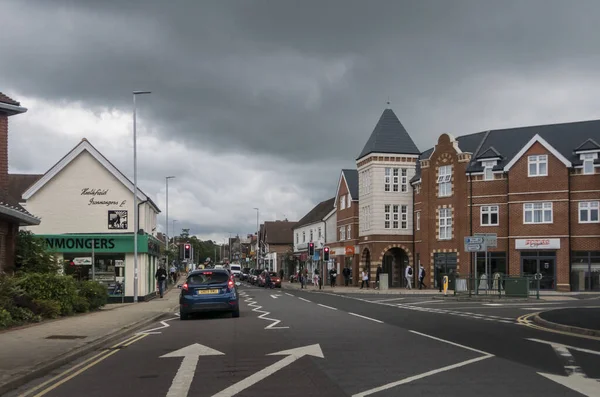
500 287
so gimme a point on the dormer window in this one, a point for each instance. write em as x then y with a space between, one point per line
488 170
538 165
588 162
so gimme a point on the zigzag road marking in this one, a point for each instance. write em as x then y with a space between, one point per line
252 303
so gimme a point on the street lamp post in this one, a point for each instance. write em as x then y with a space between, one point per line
257 237
167 214
135 204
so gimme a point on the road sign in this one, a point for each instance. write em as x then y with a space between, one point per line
474 240
291 356
183 379
491 239
474 247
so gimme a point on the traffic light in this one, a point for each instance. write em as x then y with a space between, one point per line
311 249
326 253
186 252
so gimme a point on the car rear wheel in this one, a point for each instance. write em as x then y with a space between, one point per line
236 313
183 316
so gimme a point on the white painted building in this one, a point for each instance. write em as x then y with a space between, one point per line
86 207
331 227
313 228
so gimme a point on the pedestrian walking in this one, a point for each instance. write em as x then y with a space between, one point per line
173 271
316 278
364 279
421 277
161 278
409 277
379 271
332 277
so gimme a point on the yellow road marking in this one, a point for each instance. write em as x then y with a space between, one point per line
105 354
524 320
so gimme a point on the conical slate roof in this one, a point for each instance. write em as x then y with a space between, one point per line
389 136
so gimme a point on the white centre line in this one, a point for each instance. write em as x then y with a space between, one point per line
326 307
420 303
287 293
302 299
366 318
387 300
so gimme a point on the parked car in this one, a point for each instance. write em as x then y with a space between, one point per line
208 290
253 278
245 273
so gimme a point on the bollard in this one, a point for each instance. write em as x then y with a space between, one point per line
445 281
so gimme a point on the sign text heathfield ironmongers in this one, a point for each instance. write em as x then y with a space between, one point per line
101 192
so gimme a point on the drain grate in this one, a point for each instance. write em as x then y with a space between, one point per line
66 337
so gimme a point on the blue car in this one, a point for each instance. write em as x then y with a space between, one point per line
209 290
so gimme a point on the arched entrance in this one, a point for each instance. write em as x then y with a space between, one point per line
394 261
365 264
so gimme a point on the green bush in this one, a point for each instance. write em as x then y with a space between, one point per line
55 287
33 256
94 292
6 319
47 308
81 305
24 315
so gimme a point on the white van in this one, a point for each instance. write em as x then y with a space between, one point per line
236 270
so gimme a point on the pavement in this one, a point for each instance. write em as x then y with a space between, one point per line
303 343
582 320
33 350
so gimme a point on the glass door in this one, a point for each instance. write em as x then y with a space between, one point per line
547 268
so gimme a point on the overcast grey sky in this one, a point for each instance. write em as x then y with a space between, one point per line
261 103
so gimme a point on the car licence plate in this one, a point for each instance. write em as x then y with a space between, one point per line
207 291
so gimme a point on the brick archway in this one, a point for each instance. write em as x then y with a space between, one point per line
402 247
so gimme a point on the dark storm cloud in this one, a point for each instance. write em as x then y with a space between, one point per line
288 79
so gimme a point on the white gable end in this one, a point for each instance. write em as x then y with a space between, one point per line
529 144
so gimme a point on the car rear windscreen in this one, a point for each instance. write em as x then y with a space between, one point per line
235 267
208 278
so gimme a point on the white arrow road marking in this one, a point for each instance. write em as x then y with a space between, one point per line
566 346
576 379
251 302
151 331
292 355
183 379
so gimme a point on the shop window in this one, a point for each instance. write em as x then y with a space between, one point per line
496 263
585 271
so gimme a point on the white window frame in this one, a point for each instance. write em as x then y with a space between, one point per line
297 238
404 217
395 179
303 237
445 181
387 220
488 170
320 233
445 224
342 201
387 180
419 220
404 180
342 233
589 208
537 162
349 200
588 161
349 232
311 235
541 207
395 216
489 210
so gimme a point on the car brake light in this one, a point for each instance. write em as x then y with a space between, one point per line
278 280
230 284
184 287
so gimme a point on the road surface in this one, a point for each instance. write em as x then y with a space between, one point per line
301 343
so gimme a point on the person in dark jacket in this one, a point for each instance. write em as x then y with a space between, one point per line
379 271
161 278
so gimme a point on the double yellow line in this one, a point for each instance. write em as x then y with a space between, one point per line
525 320
83 366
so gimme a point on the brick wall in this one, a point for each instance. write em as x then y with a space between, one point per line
3 154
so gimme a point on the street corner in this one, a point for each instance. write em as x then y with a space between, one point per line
577 320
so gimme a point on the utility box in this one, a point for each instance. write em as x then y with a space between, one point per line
384 281
516 287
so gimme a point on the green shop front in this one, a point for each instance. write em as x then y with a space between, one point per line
112 255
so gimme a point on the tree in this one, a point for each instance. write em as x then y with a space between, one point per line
33 256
